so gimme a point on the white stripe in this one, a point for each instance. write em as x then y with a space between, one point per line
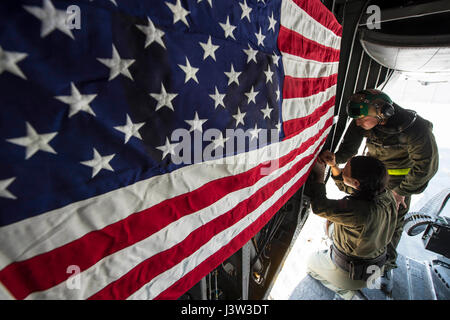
36 235
5 294
299 67
164 280
301 107
296 19
118 264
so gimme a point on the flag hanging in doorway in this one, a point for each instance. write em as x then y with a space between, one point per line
121 173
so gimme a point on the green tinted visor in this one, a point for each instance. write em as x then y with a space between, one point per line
357 106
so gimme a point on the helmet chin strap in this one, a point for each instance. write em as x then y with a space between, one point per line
380 119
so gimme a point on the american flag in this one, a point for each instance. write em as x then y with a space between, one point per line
92 203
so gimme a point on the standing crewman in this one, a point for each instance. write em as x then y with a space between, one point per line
403 141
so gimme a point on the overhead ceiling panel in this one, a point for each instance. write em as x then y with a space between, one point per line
428 54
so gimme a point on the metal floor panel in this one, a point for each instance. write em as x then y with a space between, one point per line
441 280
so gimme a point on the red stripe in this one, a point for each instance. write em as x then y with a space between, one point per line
321 14
147 270
49 269
305 87
294 43
294 126
193 277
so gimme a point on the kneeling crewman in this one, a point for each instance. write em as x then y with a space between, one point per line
364 223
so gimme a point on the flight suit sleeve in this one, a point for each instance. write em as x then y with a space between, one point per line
351 143
339 182
342 211
424 154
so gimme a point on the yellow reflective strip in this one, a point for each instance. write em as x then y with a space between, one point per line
398 172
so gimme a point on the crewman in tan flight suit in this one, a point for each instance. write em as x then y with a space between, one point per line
364 224
403 141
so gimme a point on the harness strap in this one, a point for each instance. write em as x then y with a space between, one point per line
356 267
